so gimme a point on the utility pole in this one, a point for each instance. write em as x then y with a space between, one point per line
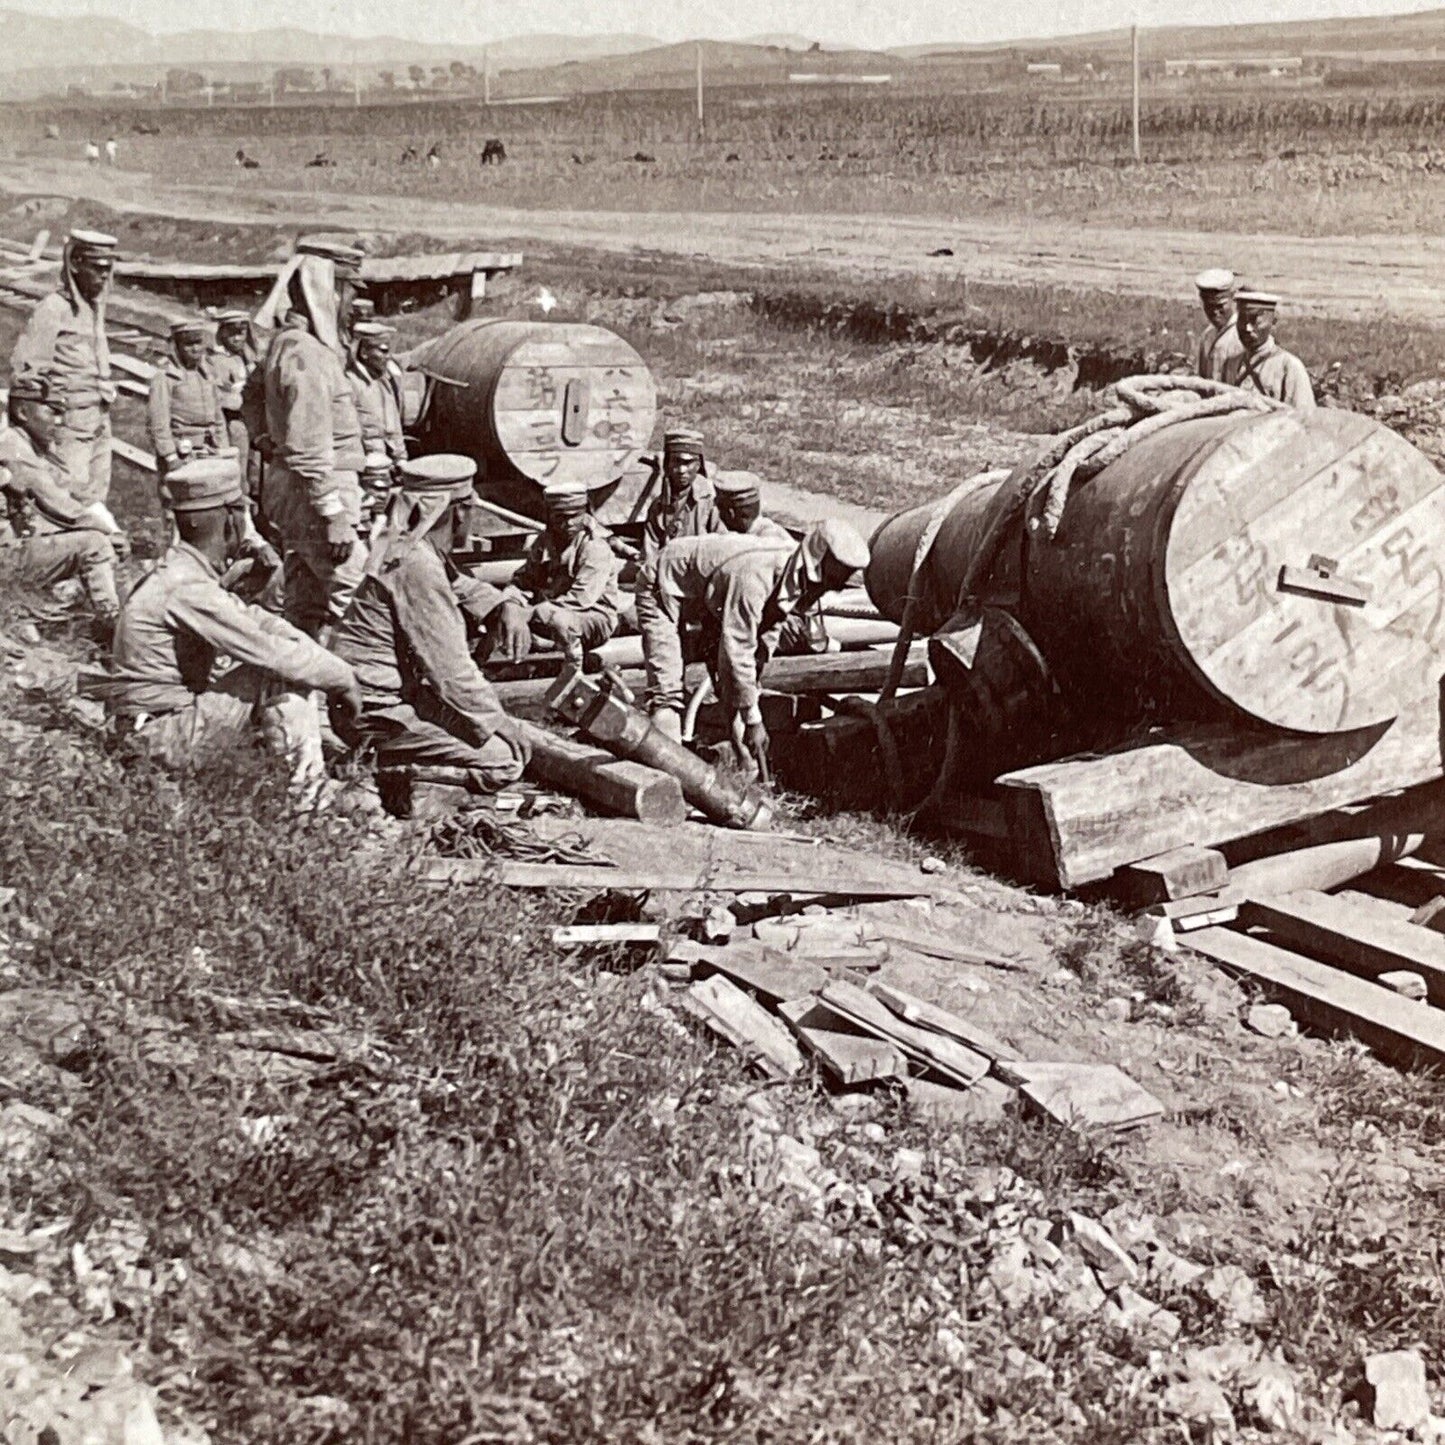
699 82
1134 37
487 75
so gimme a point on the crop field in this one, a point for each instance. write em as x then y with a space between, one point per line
1321 161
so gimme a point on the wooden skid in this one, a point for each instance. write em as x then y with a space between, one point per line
745 1024
1354 936
1077 821
1406 1033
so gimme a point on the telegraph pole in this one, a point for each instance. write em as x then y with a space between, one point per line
487 75
1134 45
699 82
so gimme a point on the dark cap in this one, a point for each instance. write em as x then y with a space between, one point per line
343 256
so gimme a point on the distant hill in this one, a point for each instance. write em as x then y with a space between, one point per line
95 45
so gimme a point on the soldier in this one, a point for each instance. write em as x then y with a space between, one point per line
165 691
1263 365
424 699
749 589
740 505
57 538
378 405
687 505
183 412
1220 339
566 591
312 493
232 362
65 340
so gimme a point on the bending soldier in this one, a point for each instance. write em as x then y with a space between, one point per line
56 538
566 590
749 590
424 699
1262 364
65 340
740 507
166 693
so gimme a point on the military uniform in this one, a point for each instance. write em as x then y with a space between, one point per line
54 538
424 699
231 372
1220 339
313 479
569 589
166 691
1272 371
183 409
65 340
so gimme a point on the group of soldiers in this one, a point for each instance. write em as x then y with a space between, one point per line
1239 348
288 462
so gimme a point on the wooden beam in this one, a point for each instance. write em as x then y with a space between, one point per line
924 1015
1324 998
134 455
712 878
848 1057
937 1053
1078 820
746 1025
1167 877
1362 940
628 789
770 975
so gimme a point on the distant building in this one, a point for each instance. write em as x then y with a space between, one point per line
1238 65
1045 69
812 77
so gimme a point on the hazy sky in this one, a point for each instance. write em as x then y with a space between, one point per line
860 22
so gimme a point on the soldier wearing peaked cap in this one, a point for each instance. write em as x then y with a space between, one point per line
424 700
1220 339
56 538
232 361
1262 364
311 493
740 505
750 588
170 696
566 591
65 340
686 505
183 409
378 403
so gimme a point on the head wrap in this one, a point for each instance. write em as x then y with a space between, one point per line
320 302
428 486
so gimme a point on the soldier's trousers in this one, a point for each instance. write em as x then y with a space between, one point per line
82 443
573 630
398 736
662 625
58 556
242 704
318 590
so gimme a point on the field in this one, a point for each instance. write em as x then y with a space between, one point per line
1307 161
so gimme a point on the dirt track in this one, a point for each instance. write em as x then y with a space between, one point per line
1339 275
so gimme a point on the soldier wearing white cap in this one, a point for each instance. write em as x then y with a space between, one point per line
1263 365
232 361
311 493
57 539
183 410
378 403
1220 339
167 691
566 591
424 700
65 340
749 588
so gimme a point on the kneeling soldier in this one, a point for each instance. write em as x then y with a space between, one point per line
57 538
424 701
166 692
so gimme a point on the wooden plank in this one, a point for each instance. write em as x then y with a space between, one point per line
600 935
134 455
1084 1097
712 878
1327 999
746 1025
1166 877
924 1015
1080 819
849 1058
772 976
934 1052
1364 941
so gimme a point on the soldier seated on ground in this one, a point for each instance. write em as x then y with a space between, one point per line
748 589
566 591
53 537
170 701
424 701
183 410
